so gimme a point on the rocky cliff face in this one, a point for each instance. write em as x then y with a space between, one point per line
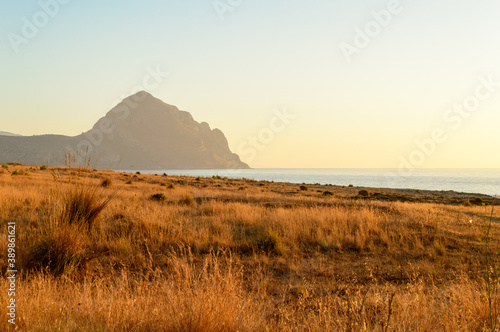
141 132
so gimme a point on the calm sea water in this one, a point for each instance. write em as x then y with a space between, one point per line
480 181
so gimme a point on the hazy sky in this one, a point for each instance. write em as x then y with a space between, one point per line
364 80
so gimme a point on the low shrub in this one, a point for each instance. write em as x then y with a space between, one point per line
157 197
106 183
363 193
477 201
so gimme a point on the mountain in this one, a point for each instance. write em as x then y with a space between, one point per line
141 132
4 133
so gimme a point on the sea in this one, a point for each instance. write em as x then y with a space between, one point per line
477 181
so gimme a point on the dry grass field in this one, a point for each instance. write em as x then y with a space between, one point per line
107 251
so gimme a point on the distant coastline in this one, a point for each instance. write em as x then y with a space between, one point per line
473 181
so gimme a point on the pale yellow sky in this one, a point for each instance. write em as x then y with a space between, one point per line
366 110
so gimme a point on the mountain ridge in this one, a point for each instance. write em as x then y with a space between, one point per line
5 133
140 132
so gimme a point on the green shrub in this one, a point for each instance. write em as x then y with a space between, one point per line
303 188
363 193
43 167
5 166
327 193
15 173
170 186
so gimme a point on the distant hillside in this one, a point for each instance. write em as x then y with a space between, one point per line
141 132
4 133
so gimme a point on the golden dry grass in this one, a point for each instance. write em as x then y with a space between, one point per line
240 255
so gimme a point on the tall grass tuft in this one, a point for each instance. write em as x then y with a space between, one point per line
210 297
59 250
491 277
82 205
271 243
187 200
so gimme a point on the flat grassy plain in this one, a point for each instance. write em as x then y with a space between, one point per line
108 251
